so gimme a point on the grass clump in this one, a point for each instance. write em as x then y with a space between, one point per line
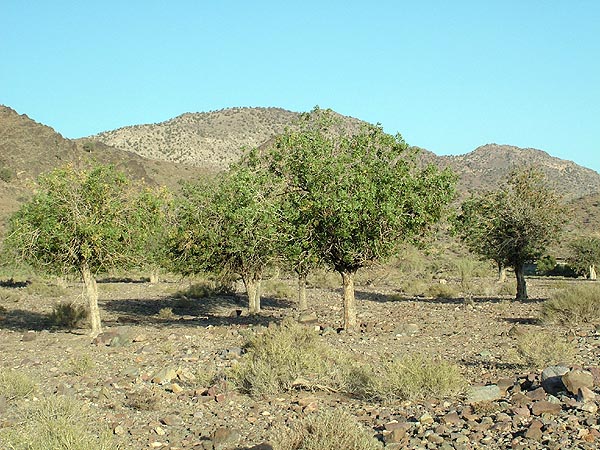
47 290
541 349
573 305
80 365
283 357
15 385
68 315
331 430
419 377
56 423
441 291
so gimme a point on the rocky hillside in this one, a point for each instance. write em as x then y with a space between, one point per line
28 148
218 138
486 166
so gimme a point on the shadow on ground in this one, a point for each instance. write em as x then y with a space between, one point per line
23 320
384 298
213 310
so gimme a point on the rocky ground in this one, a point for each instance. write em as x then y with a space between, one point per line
147 377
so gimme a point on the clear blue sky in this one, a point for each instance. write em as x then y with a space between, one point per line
448 75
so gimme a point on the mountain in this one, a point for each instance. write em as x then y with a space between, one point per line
28 148
216 139
485 167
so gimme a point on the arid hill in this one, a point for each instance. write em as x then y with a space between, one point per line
28 148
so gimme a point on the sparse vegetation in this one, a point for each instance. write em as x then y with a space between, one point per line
332 430
15 384
68 315
56 423
540 349
573 305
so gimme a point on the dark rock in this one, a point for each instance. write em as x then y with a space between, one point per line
29 337
552 379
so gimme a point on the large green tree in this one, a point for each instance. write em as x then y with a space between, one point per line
357 195
81 221
585 255
513 225
228 226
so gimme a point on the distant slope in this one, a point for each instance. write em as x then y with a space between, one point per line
214 138
28 148
486 166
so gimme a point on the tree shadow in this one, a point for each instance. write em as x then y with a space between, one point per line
12 283
218 310
23 320
401 297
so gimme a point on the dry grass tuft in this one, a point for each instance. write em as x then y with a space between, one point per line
573 305
541 349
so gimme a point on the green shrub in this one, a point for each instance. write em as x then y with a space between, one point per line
15 384
80 365
439 290
540 349
545 265
166 313
56 423
573 305
44 289
419 377
68 315
283 356
331 430
6 174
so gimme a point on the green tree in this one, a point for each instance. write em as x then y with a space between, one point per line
513 225
585 255
228 226
357 195
82 221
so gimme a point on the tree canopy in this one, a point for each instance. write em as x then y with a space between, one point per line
513 225
85 222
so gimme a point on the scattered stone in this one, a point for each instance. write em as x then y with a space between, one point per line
224 437
308 318
406 329
452 418
484 394
552 379
29 336
119 430
164 375
545 407
577 378
536 394
534 431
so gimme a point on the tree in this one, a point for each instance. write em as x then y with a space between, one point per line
358 195
228 226
513 225
585 255
82 221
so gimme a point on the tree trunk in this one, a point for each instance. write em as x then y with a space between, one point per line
350 321
154 276
521 283
252 284
501 273
302 303
592 272
91 293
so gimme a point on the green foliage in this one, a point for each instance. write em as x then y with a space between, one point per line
6 174
541 349
15 385
573 305
545 265
78 218
513 225
68 315
585 253
352 198
56 423
331 430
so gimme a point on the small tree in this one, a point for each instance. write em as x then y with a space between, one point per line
585 255
228 227
82 221
357 194
513 225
